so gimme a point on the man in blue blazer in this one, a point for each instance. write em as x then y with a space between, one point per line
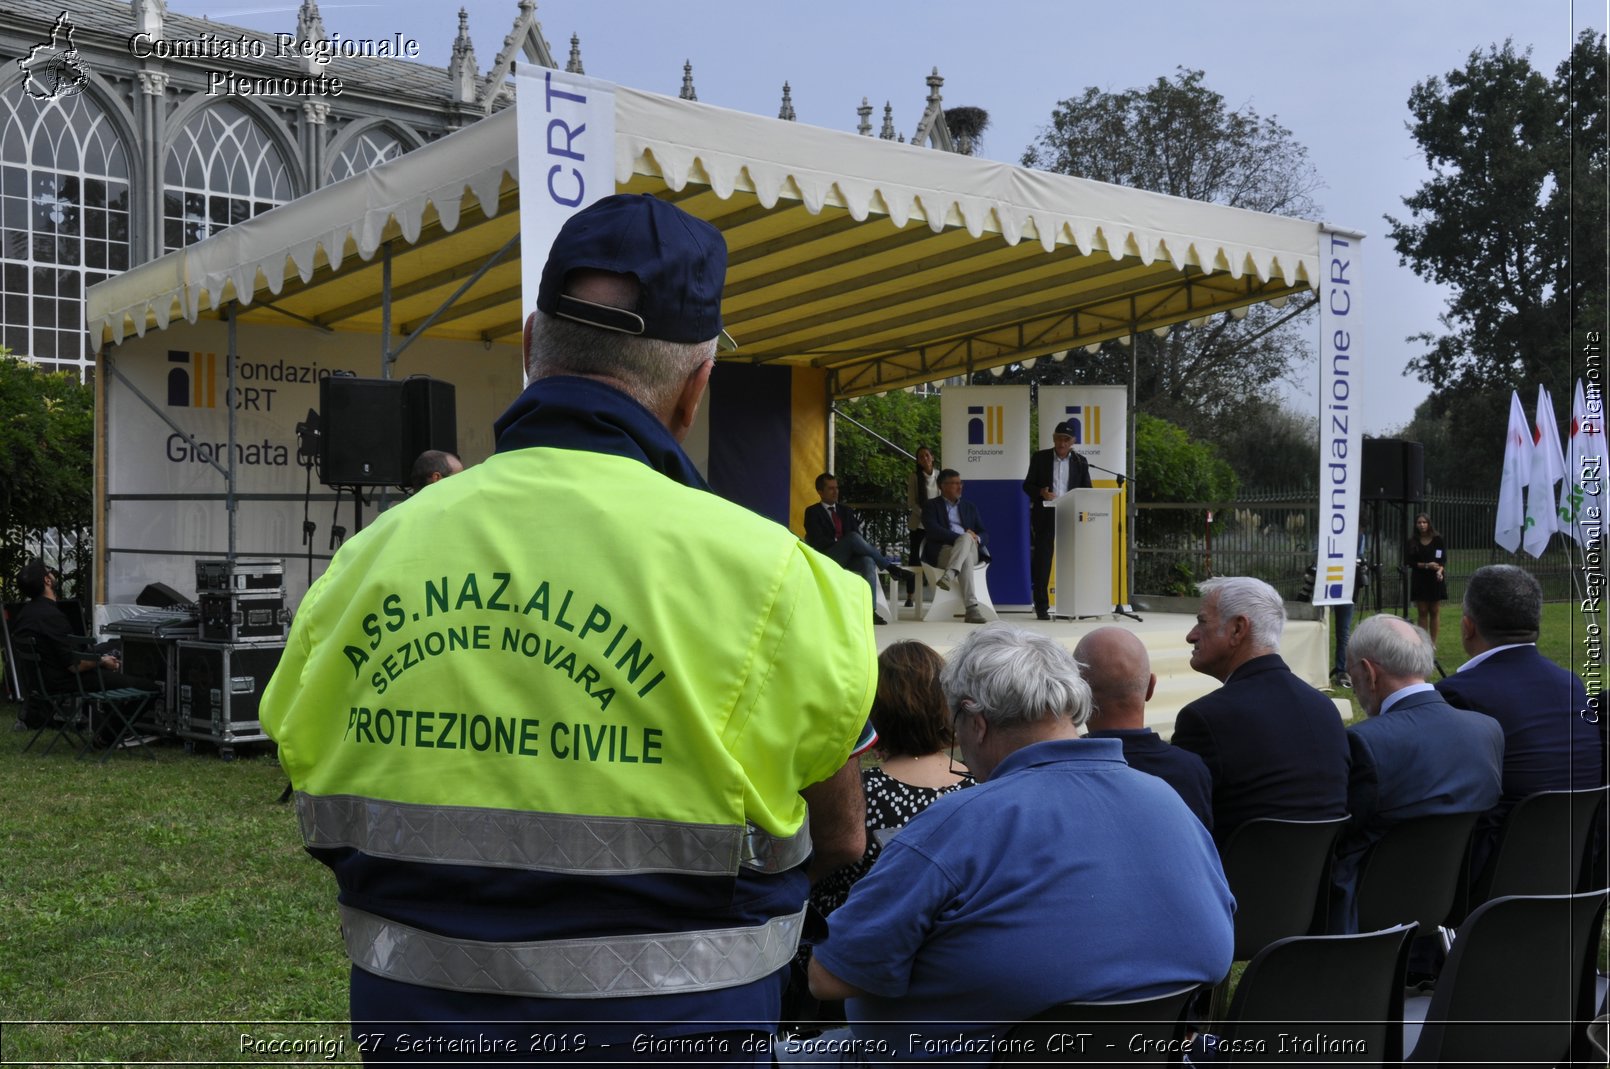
1416 755
1550 744
953 540
1274 744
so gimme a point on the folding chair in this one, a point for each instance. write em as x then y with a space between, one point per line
59 708
1345 991
1518 987
1411 873
123 705
1102 1033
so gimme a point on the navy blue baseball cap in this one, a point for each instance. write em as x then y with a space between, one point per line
678 260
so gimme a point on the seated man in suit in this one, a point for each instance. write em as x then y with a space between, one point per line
1052 473
1425 758
953 537
835 530
1114 663
1550 744
1274 745
1063 876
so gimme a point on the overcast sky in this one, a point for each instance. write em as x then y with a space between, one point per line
1338 76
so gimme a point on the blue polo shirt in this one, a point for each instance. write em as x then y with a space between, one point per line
1066 876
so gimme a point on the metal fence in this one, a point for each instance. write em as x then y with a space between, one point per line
1272 536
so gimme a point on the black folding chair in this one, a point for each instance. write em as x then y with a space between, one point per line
57 709
1518 987
1276 870
1542 849
121 706
1330 1000
1412 872
1093 1034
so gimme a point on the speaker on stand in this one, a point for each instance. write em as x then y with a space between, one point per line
371 431
1393 473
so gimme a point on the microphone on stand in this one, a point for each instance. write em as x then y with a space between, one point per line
1120 476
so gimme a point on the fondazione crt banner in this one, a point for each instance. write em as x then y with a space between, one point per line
1341 367
567 159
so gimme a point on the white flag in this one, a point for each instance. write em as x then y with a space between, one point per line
1511 520
1547 468
1583 491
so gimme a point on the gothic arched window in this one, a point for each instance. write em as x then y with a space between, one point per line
64 221
221 170
365 151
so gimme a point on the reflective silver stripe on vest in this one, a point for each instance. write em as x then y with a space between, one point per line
543 842
619 966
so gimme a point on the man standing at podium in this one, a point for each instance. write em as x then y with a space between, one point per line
1052 473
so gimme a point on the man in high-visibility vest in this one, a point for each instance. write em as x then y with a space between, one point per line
550 723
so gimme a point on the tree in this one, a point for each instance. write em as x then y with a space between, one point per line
47 449
870 471
1181 138
1511 221
1170 467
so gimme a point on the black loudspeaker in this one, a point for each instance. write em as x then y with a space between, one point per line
362 423
431 418
372 430
163 596
1393 470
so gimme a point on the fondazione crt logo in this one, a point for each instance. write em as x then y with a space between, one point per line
51 69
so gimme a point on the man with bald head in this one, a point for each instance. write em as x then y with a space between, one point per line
1415 755
1115 664
1273 744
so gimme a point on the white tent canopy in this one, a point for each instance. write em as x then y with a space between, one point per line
885 264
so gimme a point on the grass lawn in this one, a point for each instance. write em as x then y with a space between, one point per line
166 891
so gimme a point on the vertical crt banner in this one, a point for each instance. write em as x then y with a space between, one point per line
567 159
984 435
1341 370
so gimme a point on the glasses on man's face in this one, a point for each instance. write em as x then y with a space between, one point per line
955 740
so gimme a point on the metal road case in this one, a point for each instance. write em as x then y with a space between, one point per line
219 687
255 575
243 618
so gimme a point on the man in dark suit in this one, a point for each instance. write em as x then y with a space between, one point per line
1052 473
1550 744
1274 745
1114 662
953 540
1416 755
835 530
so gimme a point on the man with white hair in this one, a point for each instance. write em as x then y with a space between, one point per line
963 925
1274 744
1426 758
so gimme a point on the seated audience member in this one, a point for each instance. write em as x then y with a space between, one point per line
954 541
1550 742
834 529
1274 745
1064 875
432 466
1416 755
914 742
1115 664
61 666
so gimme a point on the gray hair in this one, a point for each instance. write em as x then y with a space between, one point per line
1242 595
1398 647
651 371
1505 603
1013 676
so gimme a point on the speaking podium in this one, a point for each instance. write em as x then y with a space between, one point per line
1082 575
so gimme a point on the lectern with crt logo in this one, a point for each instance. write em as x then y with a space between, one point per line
1082 576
